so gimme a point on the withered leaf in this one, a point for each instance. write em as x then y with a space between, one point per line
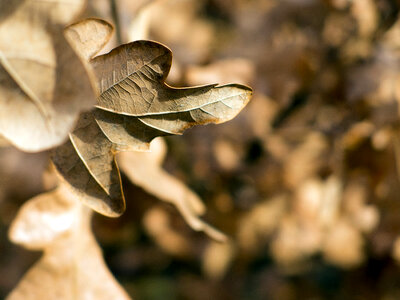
72 266
43 83
145 170
87 162
135 105
93 35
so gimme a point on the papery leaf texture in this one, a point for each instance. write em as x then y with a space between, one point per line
72 266
135 106
145 170
44 85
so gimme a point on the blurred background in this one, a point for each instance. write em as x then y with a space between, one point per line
305 181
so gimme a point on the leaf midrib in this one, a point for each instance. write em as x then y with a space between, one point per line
22 85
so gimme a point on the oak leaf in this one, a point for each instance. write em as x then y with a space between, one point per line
43 83
135 106
72 266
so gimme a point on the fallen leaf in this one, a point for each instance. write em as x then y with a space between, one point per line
43 83
72 266
135 105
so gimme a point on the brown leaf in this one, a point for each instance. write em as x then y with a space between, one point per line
131 82
87 161
72 266
145 170
135 106
43 83
92 34
137 97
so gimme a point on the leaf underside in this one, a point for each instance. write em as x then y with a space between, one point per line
72 266
44 85
135 106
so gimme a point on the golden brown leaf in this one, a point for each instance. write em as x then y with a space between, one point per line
135 105
72 266
92 34
87 161
131 82
43 83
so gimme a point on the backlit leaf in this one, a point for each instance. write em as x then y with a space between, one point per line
135 105
72 266
43 83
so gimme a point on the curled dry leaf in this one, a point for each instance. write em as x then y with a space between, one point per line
135 106
145 170
72 266
43 83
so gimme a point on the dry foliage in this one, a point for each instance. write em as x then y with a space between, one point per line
305 181
43 83
144 169
135 105
72 266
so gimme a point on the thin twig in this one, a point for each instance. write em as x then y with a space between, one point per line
115 16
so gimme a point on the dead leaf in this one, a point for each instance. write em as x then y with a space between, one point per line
135 105
93 35
86 163
72 266
145 170
43 84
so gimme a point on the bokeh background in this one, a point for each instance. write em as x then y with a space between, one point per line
305 181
